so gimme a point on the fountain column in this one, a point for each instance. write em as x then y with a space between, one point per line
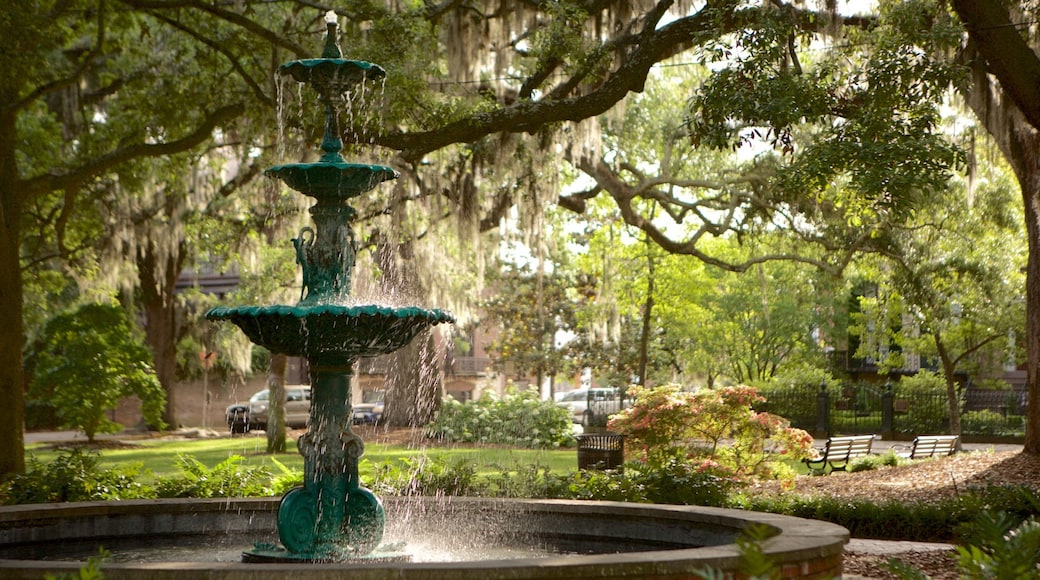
331 517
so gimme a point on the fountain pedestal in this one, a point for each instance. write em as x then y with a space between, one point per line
332 517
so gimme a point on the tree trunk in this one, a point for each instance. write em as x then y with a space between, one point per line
952 396
1029 179
1020 143
158 285
12 393
648 312
276 403
413 385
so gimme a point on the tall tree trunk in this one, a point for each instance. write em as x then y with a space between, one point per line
1029 179
276 403
413 385
1009 110
413 388
953 398
12 393
1020 143
648 312
158 285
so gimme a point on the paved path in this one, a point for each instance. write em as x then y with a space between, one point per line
883 547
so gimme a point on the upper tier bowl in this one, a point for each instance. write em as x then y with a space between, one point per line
339 74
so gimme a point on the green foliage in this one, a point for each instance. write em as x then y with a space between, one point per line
1020 501
1001 547
791 393
926 415
871 462
520 419
86 361
675 483
530 309
226 479
666 424
286 478
950 519
987 422
73 475
92 570
427 476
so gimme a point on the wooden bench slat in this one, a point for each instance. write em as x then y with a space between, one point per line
840 450
931 446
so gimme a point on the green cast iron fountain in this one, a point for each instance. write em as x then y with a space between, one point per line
332 517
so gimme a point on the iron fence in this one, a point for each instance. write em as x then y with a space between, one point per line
852 409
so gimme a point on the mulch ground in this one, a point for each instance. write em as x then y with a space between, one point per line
926 480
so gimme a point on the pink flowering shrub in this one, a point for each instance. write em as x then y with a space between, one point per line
715 430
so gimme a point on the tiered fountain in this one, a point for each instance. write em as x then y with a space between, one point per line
332 526
332 516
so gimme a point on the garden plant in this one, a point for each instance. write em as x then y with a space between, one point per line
714 429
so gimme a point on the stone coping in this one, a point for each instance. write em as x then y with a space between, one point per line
803 548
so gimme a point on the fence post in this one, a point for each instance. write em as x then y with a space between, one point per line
823 413
887 413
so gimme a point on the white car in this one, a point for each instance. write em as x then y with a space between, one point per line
242 417
592 406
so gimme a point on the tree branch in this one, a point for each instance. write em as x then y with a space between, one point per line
98 166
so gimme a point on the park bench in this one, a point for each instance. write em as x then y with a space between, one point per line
925 446
838 451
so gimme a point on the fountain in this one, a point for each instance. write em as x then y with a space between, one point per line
333 526
332 517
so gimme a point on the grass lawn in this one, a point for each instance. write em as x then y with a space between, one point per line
159 456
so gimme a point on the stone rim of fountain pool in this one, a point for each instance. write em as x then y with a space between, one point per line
802 548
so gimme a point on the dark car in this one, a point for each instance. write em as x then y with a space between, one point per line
367 413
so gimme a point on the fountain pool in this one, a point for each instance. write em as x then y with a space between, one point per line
449 538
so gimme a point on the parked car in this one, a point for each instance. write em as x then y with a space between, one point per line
243 417
592 406
367 413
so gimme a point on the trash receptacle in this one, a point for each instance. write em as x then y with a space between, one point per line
601 451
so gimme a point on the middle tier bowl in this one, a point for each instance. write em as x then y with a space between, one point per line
331 334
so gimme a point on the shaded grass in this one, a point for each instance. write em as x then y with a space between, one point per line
158 457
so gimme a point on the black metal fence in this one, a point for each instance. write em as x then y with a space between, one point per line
893 411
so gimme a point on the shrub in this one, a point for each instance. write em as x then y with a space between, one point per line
520 419
870 462
792 392
74 475
87 361
668 424
425 475
984 422
929 411
675 483
226 479
1001 547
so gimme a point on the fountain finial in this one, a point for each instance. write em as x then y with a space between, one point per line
331 48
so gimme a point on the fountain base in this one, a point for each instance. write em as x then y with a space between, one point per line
271 554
